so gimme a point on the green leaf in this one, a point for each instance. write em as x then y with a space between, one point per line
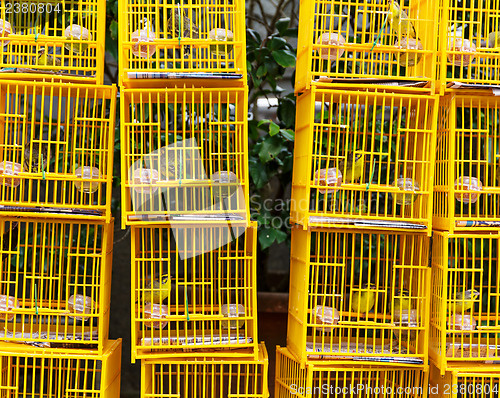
258 173
285 58
270 148
113 29
273 129
263 121
286 111
288 134
282 25
267 236
280 236
277 43
261 71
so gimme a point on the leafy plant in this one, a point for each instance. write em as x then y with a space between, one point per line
271 61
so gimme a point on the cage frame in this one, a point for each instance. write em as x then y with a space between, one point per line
30 332
446 84
189 96
261 361
160 77
306 161
306 380
35 201
48 43
307 45
110 360
245 337
303 336
440 331
449 137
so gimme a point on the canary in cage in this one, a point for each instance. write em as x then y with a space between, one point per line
46 59
463 301
404 315
36 157
399 21
155 292
363 301
352 168
180 26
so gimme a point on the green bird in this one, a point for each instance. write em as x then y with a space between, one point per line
155 292
363 301
463 301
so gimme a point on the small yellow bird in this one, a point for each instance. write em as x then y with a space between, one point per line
45 59
354 166
155 292
402 302
463 301
494 40
400 22
363 301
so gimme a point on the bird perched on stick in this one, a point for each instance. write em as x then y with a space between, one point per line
463 301
35 157
45 59
363 301
181 26
354 165
155 292
400 22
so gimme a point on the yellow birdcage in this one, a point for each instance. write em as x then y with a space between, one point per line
364 158
193 291
467 171
161 40
469 43
465 304
362 43
206 377
56 373
184 155
322 379
56 149
358 296
61 39
55 282
461 382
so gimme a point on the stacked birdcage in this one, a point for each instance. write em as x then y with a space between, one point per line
185 193
56 158
464 323
358 319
